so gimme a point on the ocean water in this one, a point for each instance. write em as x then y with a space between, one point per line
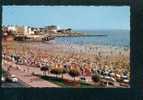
118 38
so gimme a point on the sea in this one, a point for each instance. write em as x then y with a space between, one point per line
117 38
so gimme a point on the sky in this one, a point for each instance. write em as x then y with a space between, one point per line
75 17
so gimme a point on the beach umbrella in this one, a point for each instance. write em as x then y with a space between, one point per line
124 76
112 79
118 76
112 74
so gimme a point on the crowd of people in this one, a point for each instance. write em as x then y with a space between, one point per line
115 70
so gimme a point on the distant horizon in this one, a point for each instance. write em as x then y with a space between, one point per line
103 29
75 17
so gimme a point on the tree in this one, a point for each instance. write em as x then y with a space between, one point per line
96 78
74 72
44 69
48 66
56 71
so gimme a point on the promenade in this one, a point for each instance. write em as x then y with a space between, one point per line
24 73
29 70
27 77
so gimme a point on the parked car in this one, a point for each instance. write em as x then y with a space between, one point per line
13 78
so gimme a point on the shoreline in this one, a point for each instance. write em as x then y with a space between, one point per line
76 48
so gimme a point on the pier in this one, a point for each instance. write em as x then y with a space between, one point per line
98 35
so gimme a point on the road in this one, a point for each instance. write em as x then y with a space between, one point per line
36 70
18 84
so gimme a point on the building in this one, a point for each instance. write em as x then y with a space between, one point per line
26 30
51 29
68 30
11 28
42 30
20 29
4 29
35 31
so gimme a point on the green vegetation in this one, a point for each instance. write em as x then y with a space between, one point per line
67 83
0 72
44 69
74 72
56 71
95 78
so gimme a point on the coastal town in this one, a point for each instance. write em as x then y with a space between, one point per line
36 33
36 64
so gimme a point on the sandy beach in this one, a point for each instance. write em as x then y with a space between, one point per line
91 56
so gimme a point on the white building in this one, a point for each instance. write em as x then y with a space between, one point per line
52 28
58 28
28 30
11 28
